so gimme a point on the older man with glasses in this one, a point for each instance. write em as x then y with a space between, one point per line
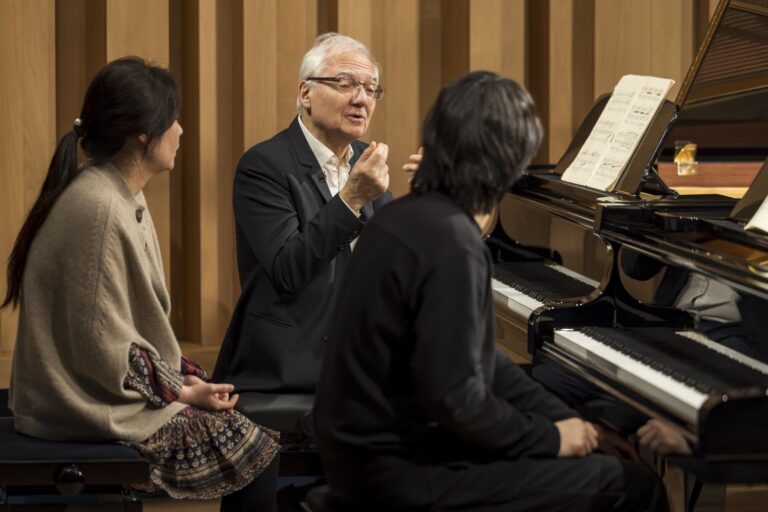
301 199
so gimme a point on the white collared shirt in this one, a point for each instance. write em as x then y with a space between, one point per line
336 173
708 299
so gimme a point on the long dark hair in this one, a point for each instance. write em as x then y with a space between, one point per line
127 97
478 137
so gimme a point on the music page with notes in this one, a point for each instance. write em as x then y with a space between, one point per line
618 131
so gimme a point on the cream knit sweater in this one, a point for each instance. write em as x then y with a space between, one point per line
93 284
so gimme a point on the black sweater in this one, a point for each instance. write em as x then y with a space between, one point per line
411 368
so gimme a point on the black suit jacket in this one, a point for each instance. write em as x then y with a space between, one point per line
292 244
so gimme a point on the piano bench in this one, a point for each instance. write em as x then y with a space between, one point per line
291 415
322 499
36 474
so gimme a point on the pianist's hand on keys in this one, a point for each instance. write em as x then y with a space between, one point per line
661 437
577 437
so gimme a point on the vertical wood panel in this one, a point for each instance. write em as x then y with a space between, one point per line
186 229
620 48
561 65
260 61
237 62
454 58
27 133
497 34
396 43
80 52
671 39
202 316
655 39
355 20
327 16
243 90
274 41
215 164
390 30
431 55
570 71
141 27
297 27
539 55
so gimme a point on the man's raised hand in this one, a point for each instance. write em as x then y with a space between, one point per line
369 178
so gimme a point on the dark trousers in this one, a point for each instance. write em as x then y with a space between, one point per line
594 483
258 496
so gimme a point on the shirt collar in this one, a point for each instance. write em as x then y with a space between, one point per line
320 150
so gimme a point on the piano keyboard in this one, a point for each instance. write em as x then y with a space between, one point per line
523 287
678 371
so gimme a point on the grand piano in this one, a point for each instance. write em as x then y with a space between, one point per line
567 287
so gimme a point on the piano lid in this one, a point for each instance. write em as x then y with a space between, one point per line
722 106
724 98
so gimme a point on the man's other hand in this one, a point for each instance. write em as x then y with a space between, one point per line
413 162
661 437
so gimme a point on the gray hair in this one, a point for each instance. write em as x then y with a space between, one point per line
325 47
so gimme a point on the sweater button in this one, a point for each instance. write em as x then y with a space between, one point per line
139 214
325 339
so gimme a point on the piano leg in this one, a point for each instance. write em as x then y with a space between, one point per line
675 482
686 493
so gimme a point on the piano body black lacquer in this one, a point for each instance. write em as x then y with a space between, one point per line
657 356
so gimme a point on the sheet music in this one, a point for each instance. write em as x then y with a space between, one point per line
617 133
759 220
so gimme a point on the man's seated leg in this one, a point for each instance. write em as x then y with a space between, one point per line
594 483
593 402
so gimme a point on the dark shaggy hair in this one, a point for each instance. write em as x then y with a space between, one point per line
478 137
128 97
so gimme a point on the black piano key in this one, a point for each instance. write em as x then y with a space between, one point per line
539 281
682 359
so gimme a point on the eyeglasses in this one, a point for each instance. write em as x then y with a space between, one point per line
348 85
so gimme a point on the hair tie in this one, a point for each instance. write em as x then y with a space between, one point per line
78 127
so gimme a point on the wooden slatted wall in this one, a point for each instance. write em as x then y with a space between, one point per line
237 63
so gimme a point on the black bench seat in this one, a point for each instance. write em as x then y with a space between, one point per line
38 473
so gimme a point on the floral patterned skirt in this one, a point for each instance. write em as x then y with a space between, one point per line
206 455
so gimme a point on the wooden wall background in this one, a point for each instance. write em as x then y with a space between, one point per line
237 63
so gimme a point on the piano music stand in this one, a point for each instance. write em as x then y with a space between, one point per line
639 174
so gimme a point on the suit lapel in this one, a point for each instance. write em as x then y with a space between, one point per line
307 160
318 178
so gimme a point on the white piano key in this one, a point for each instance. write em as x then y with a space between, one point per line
680 398
513 299
726 351
575 275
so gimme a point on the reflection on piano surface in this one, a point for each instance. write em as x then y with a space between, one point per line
685 341
678 370
524 287
547 262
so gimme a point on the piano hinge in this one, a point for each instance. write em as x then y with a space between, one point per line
653 184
